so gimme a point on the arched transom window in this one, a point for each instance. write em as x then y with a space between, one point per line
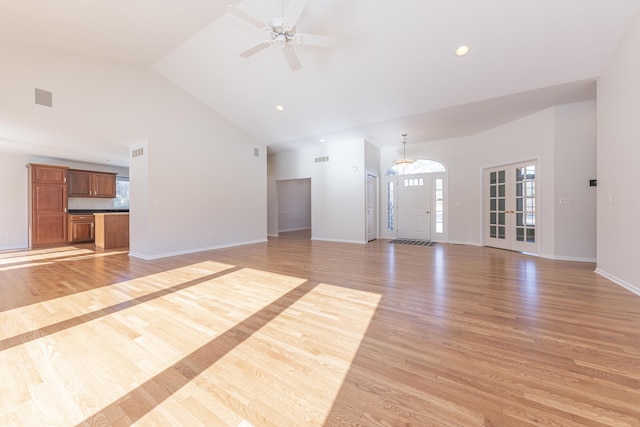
419 166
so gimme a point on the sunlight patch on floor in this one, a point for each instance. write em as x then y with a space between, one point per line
39 315
45 256
289 372
77 371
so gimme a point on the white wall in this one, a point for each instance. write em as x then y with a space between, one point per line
204 188
568 129
337 187
618 153
13 201
294 204
272 198
575 165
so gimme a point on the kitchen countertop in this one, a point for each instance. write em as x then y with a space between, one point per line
110 213
96 211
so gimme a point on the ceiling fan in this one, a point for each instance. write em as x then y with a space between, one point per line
282 31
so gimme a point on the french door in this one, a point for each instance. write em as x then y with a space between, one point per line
510 212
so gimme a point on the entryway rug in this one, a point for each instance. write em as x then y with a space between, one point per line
413 242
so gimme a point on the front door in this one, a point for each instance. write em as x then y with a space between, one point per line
414 210
511 214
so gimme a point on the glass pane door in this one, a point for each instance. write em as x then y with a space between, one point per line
511 207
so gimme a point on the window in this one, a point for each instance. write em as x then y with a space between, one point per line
439 198
122 193
419 166
390 206
414 182
526 203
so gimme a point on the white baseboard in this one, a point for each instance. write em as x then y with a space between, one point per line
192 251
567 258
459 242
14 248
294 229
360 242
628 286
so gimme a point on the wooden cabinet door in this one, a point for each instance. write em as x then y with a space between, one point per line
48 174
104 185
47 204
81 228
49 214
92 184
79 183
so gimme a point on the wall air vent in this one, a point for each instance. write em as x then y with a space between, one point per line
137 152
321 159
44 97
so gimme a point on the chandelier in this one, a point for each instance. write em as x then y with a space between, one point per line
404 161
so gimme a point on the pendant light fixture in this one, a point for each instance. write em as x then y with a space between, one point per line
404 161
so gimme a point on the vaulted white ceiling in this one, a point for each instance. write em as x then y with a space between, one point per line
393 69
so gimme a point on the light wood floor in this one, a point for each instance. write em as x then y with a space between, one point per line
296 332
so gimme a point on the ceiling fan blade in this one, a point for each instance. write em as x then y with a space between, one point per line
292 58
239 13
255 49
294 10
315 40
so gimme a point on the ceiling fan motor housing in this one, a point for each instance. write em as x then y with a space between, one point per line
282 32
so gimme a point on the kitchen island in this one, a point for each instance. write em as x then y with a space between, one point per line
112 230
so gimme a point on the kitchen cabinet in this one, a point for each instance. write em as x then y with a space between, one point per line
47 204
112 230
81 228
91 184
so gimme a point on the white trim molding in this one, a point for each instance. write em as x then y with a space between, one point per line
628 286
567 258
191 251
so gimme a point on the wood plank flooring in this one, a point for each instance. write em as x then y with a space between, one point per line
295 332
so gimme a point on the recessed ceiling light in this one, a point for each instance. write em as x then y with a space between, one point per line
279 108
462 50
322 140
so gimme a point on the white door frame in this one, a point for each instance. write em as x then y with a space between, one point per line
371 219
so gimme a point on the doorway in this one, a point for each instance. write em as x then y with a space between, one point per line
414 207
294 207
511 207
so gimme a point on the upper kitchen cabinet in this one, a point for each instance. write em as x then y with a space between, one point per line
91 184
47 204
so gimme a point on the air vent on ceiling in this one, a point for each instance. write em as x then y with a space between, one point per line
137 152
322 159
44 97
